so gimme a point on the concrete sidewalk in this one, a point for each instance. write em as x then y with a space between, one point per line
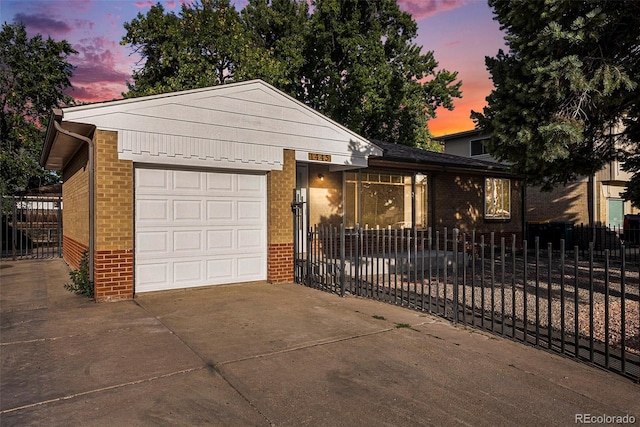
260 354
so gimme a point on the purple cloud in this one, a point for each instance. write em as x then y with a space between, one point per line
43 24
96 62
422 8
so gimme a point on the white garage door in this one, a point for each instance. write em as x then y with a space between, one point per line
198 228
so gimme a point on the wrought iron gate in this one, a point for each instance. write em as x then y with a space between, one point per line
31 227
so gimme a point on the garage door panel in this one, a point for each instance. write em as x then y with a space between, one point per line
250 184
187 181
152 274
249 210
223 182
220 269
187 210
220 210
187 240
220 240
249 267
152 210
249 239
153 242
152 180
196 228
187 272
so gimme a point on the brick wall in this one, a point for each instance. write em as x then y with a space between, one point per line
113 257
459 203
75 197
566 203
280 185
113 274
73 251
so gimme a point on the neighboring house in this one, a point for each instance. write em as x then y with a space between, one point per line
195 188
564 203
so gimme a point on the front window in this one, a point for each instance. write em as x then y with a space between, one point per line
377 199
497 198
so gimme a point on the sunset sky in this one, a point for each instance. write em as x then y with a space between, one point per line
459 32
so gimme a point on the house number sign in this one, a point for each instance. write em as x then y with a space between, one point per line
320 157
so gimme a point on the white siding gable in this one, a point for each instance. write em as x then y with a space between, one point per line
238 126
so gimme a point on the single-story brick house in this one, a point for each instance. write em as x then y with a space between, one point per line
194 188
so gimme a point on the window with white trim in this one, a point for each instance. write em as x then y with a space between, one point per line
497 198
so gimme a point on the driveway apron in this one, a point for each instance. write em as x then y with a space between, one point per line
263 354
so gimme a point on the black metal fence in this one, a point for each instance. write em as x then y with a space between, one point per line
31 227
567 300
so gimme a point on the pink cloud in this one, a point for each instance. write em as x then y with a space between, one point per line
83 24
144 4
99 69
96 93
422 8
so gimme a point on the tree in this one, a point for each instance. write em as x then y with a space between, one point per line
34 74
363 70
632 159
564 89
279 28
204 45
354 61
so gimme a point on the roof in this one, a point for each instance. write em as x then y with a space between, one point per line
463 134
413 155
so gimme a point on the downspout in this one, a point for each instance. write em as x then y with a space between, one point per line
89 141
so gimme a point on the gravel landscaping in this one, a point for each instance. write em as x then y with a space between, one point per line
506 294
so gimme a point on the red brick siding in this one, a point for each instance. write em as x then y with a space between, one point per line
113 275
72 251
280 263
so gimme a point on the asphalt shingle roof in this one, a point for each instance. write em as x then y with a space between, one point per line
406 154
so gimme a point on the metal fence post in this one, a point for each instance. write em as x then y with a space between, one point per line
14 232
455 274
342 261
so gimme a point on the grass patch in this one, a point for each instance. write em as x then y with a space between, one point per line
403 325
375 316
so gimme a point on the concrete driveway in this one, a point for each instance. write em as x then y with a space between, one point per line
261 354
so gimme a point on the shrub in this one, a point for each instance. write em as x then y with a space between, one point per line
81 283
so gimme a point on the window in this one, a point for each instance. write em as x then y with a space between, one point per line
385 200
477 147
497 198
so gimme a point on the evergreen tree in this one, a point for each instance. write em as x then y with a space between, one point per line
565 87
